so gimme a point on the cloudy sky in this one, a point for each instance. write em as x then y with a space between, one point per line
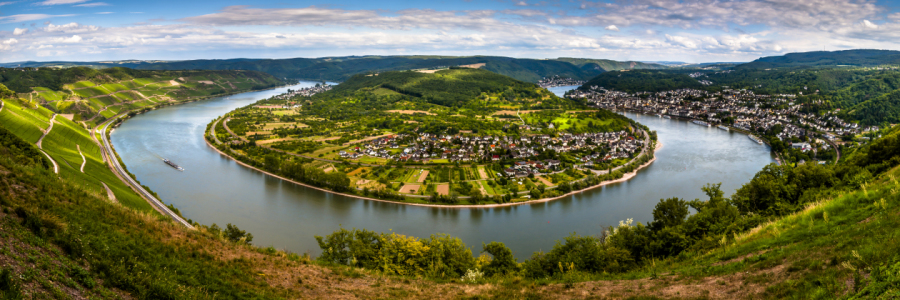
644 30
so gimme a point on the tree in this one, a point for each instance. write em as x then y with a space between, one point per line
669 213
503 261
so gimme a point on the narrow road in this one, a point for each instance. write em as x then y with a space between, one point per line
83 160
212 132
55 166
836 150
109 193
46 132
113 162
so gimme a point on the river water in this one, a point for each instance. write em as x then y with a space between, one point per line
214 189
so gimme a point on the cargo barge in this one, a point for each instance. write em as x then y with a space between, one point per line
171 164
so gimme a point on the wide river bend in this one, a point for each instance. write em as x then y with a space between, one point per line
215 189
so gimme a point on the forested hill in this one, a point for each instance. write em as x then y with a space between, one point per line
642 81
453 87
609 65
342 68
859 57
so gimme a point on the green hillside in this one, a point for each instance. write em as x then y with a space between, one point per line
62 143
642 81
454 87
91 96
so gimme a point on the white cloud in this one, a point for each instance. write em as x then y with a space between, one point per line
104 13
315 16
70 28
58 2
72 39
28 17
869 24
6 3
93 4
521 3
612 28
7 44
20 31
680 40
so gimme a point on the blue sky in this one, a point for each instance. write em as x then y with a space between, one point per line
643 30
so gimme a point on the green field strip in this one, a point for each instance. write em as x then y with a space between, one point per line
125 96
107 113
20 127
487 188
25 116
41 89
83 84
114 87
105 100
95 105
144 81
83 93
50 96
129 85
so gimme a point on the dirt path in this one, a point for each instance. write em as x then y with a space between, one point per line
423 176
46 132
83 160
482 173
55 166
545 181
109 193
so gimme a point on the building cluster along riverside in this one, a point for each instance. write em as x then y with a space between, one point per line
307 91
588 148
555 81
742 109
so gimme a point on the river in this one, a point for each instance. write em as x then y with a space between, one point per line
214 189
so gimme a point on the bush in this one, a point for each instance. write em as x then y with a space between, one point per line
234 234
440 256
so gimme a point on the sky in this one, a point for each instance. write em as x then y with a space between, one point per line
643 30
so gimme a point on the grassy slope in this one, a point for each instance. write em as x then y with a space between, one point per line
89 93
61 143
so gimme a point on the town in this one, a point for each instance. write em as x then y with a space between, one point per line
556 80
741 109
308 91
589 148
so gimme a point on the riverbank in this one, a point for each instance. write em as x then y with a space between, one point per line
625 177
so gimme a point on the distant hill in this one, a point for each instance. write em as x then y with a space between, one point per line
609 65
454 87
342 68
642 81
859 57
